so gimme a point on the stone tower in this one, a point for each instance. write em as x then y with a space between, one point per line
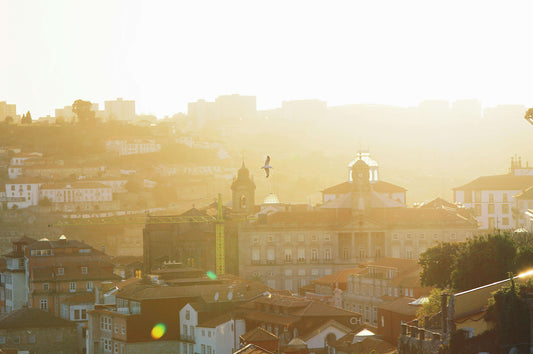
243 193
361 188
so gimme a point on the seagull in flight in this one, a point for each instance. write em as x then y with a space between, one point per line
267 167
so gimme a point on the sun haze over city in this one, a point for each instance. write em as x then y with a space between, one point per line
272 177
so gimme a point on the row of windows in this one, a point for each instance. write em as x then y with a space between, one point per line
289 238
287 254
84 269
411 236
477 197
109 346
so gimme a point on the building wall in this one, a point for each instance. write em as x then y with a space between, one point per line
493 208
120 110
169 346
319 340
45 340
389 324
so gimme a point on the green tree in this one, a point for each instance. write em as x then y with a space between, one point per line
483 260
437 265
432 306
524 259
529 115
26 118
508 310
84 112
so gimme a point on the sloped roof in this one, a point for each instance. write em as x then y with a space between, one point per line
378 186
32 318
438 203
475 300
214 322
498 182
259 334
421 218
527 194
252 349
339 277
377 200
401 306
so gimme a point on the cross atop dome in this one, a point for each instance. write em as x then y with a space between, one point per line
373 166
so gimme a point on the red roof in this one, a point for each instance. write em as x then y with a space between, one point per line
340 277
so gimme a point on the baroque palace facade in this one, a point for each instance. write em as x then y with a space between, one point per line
359 221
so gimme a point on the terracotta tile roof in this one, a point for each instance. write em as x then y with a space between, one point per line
438 203
259 334
32 318
420 218
71 272
498 182
326 217
400 306
340 277
252 349
213 322
266 317
379 186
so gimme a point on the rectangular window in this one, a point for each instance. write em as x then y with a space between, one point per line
314 238
505 208
288 255
116 348
505 221
453 236
187 315
345 254
270 255
123 330
46 286
116 328
89 285
477 196
60 271
314 255
327 254
327 237
72 286
422 236
504 198
76 315
395 236
83 314
83 270
491 208
409 236
43 304
301 255
477 209
31 339
301 238
491 198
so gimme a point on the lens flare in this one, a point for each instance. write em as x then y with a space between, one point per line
158 331
211 275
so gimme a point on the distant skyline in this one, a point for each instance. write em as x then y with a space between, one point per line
165 54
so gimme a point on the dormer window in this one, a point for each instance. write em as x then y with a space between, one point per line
60 271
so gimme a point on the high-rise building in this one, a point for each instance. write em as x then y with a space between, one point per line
7 110
236 106
120 110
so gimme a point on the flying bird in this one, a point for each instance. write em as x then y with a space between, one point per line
267 167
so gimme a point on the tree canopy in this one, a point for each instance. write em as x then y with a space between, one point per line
529 115
437 265
84 112
479 261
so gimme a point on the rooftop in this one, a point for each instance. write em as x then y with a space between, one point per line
26 318
498 182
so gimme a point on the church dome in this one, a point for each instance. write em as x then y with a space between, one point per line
272 198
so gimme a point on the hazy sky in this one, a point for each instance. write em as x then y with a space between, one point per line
164 54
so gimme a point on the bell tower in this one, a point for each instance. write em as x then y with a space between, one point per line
243 193
361 188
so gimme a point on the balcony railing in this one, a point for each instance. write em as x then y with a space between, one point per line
187 338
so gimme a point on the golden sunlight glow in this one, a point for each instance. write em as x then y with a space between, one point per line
525 274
